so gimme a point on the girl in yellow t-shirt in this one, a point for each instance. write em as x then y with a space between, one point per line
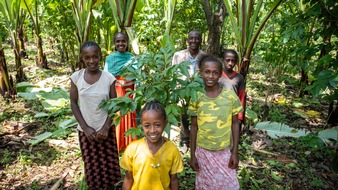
153 161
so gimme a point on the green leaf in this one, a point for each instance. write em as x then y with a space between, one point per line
41 114
276 176
68 123
329 134
251 115
40 138
275 130
21 87
28 96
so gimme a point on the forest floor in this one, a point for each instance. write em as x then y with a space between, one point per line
266 163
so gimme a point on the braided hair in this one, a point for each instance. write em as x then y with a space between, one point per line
89 44
208 57
154 105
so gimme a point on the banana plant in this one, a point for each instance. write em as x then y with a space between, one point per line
82 15
246 24
12 14
169 8
32 7
123 11
6 85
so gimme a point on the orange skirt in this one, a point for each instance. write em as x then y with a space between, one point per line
128 121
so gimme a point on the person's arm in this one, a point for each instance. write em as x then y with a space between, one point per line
128 181
89 132
102 134
241 96
193 136
174 182
233 162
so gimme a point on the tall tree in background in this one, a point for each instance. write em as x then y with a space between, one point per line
82 15
169 8
246 24
11 11
215 13
32 8
123 11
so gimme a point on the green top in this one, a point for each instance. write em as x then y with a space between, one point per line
214 118
116 61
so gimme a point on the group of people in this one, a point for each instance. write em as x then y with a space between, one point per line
153 162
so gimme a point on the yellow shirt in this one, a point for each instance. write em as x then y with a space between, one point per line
138 159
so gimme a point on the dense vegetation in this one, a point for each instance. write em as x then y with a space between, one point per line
291 80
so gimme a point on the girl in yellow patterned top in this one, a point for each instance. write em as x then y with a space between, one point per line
214 121
152 162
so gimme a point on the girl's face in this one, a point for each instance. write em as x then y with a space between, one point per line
121 43
91 56
230 61
211 71
153 125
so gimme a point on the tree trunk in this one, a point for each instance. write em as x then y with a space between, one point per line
23 53
20 75
304 82
7 89
41 59
215 20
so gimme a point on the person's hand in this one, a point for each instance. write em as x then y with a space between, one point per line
194 163
233 161
102 134
90 133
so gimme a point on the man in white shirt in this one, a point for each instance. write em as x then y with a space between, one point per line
191 54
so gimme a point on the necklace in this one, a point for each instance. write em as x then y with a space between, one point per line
159 161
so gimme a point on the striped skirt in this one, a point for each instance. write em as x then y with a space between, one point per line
101 161
214 172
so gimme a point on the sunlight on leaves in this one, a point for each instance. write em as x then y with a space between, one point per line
306 114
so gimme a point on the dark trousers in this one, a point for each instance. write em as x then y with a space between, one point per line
185 130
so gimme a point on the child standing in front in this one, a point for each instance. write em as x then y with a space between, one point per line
88 88
214 121
153 161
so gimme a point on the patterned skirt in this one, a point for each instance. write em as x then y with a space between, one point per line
101 161
214 172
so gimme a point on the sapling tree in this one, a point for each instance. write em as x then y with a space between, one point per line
156 78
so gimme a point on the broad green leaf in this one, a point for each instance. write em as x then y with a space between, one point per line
68 123
40 138
28 96
41 114
275 130
21 87
251 115
54 105
61 132
328 134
